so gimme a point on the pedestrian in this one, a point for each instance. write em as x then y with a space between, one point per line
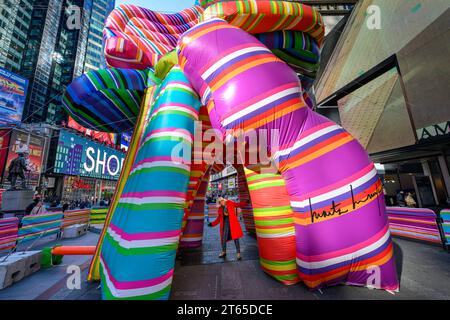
39 208
401 199
230 228
30 207
410 202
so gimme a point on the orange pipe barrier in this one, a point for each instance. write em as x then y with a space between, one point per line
73 250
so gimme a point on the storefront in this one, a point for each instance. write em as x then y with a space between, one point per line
82 170
224 183
400 113
423 178
4 144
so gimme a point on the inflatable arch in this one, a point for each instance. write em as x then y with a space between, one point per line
319 214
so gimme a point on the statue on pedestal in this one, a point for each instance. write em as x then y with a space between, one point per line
16 169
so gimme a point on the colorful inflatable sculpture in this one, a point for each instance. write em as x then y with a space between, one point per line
236 66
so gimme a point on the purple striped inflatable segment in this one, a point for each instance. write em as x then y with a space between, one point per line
137 37
245 87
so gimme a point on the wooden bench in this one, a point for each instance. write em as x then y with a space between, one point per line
40 225
414 223
9 228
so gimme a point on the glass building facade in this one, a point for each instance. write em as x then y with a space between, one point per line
15 19
100 9
388 79
59 51
39 56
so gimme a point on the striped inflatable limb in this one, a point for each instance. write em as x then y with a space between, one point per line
274 222
298 49
94 268
206 3
263 16
244 195
292 31
107 100
144 231
342 233
98 215
137 38
199 172
193 235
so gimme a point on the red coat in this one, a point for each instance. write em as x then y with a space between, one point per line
235 226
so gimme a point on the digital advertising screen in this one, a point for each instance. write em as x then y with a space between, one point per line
76 155
13 93
34 145
105 137
125 140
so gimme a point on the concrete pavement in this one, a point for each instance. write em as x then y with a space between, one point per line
50 283
424 272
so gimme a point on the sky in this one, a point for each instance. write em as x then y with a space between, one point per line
160 5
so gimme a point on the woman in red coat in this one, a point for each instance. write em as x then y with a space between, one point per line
230 228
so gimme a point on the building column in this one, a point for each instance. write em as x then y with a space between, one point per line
427 172
445 173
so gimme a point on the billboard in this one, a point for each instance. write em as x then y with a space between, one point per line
21 141
105 137
13 93
4 144
125 140
76 155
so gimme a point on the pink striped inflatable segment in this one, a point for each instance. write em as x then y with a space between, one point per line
137 38
244 195
193 234
192 226
245 87
414 223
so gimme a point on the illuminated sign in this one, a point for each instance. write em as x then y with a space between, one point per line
106 137
20 142
13 92
125 140
79 156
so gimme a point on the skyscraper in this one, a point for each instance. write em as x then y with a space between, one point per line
59 50
100 9
40 56
15 18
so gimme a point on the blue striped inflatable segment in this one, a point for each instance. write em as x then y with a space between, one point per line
138 254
